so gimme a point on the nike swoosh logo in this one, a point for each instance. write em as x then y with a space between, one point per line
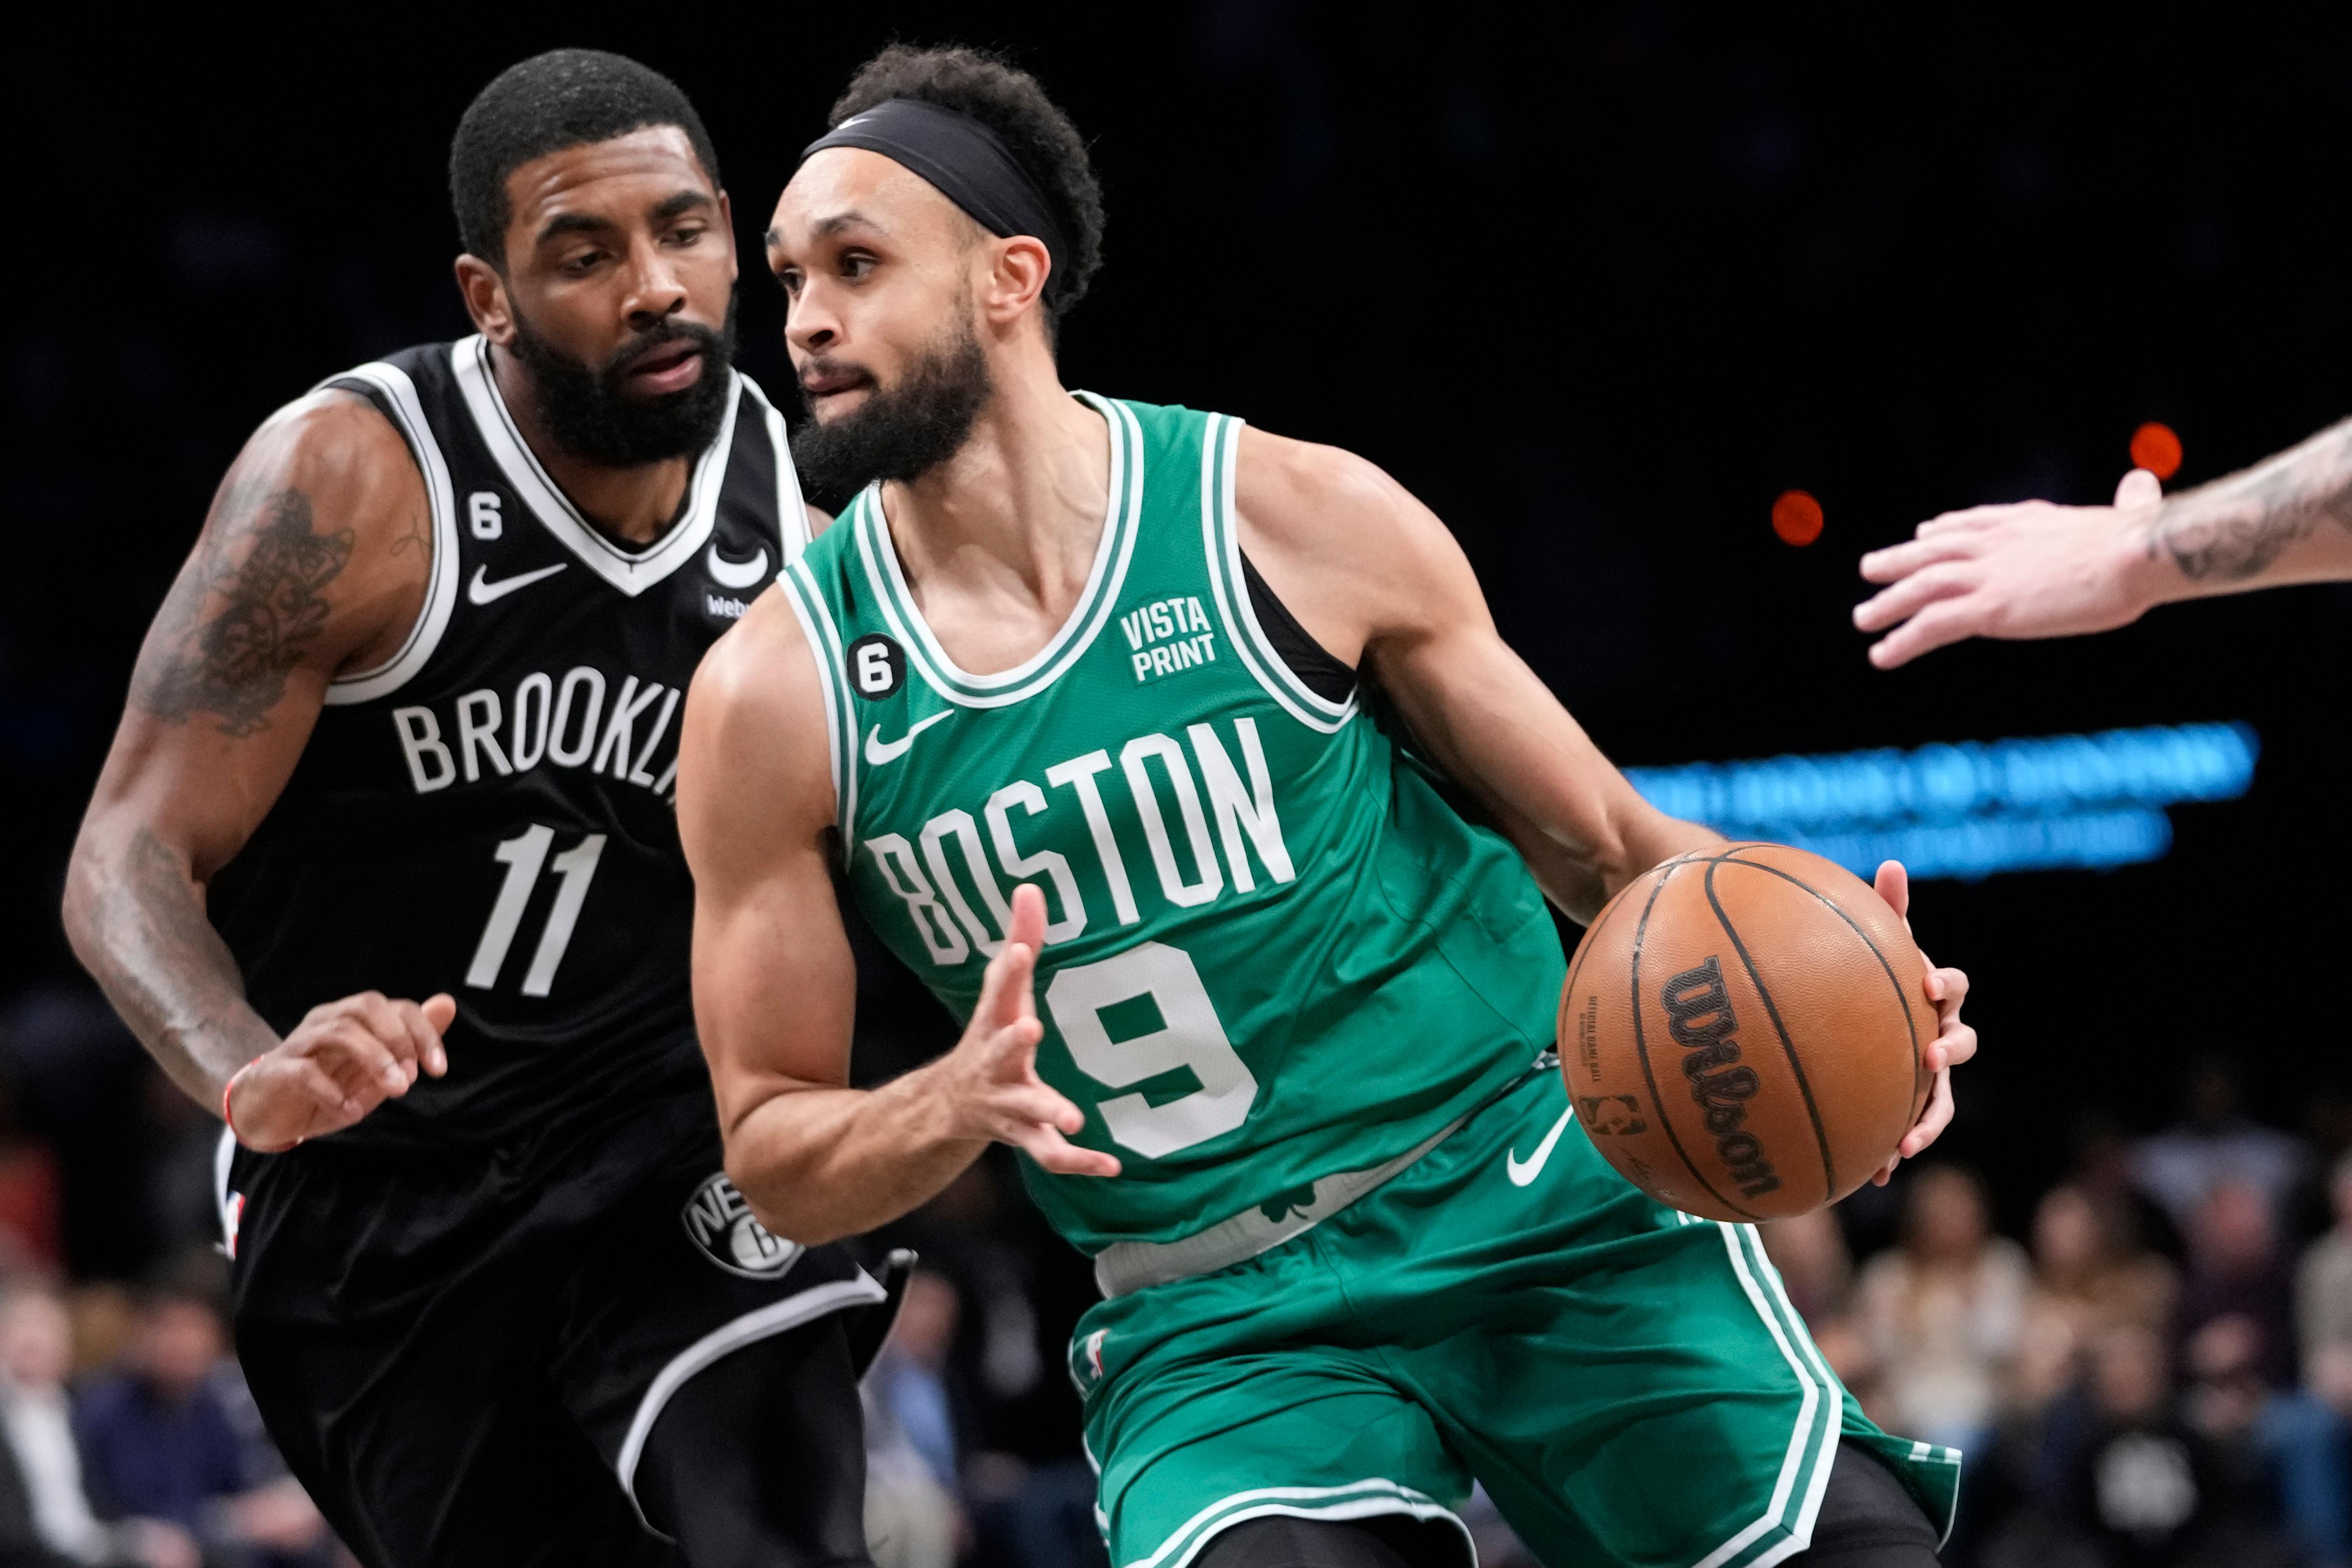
482 591
879 751
736 573
1521 1175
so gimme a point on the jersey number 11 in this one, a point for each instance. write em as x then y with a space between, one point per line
523 856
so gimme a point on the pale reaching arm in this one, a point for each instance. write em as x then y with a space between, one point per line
1377 578
313 559
774 985
2032 569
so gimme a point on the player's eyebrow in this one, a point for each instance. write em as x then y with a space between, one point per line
827 226
686 201
836 222
574 223
663 211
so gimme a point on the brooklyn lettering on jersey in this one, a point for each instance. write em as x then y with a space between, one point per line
489 813
546 721
950 865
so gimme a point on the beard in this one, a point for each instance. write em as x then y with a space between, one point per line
903 431
591 417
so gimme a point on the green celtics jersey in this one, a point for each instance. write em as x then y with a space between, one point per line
1272 953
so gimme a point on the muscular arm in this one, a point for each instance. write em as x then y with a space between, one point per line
313 559
774 985
2030 569
1376 578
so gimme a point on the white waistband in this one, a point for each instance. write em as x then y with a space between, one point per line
1126 1267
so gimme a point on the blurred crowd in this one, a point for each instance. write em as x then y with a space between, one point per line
2154 1370
2158 1371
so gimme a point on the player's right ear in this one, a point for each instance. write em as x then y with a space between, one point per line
484 293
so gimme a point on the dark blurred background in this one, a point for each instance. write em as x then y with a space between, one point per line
1597 286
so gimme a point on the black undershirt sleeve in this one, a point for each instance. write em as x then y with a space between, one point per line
1315 669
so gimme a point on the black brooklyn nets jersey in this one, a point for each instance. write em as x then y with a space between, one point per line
490 813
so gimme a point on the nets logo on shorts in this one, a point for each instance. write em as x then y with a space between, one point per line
731 1237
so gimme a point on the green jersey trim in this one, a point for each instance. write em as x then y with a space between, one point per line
1786 1526
1221 537
1367 1498
1122 515
809 609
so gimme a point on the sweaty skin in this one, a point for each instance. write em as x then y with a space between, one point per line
314 562
997 543
2030 569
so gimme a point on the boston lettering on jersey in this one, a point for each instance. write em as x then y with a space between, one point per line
1273 953
1245 817
489 813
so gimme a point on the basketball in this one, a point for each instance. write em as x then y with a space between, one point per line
1744 1032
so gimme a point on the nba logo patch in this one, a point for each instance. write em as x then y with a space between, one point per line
726 1231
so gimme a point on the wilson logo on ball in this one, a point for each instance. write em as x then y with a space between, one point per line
1698 1015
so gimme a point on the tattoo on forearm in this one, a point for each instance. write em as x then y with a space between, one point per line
2234 528
243 612
167 969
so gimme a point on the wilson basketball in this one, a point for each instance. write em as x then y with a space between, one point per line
1744 1032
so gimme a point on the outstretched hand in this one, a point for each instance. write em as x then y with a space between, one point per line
2025 569
995 1086
1954 1043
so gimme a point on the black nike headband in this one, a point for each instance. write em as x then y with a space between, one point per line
963 160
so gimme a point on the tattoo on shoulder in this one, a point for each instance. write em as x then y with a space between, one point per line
243 614
2232 529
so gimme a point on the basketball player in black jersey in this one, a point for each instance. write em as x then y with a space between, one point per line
383 866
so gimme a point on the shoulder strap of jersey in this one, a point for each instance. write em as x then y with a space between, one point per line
806 582
791 509
1221 539
394 394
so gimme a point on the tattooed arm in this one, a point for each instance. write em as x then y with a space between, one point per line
2034 570
314 559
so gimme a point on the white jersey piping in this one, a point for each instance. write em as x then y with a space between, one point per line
407 414
631 573
723 1340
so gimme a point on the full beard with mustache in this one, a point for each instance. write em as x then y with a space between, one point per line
590 416
903 431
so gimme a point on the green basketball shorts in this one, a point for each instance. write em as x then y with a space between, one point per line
1630 1383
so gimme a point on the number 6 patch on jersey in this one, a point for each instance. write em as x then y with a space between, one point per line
877 666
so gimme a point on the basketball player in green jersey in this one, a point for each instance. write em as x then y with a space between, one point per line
1070 701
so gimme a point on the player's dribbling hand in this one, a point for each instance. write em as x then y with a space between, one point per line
1953 1045
2026 569
345 1058
996 1091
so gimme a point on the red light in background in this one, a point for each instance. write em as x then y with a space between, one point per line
2155 447
1797 518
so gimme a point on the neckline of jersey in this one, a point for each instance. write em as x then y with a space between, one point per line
1122 514
631 572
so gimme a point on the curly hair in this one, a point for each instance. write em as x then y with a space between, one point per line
1008 100
564 98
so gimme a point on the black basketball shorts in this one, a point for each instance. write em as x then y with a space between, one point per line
463 1364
